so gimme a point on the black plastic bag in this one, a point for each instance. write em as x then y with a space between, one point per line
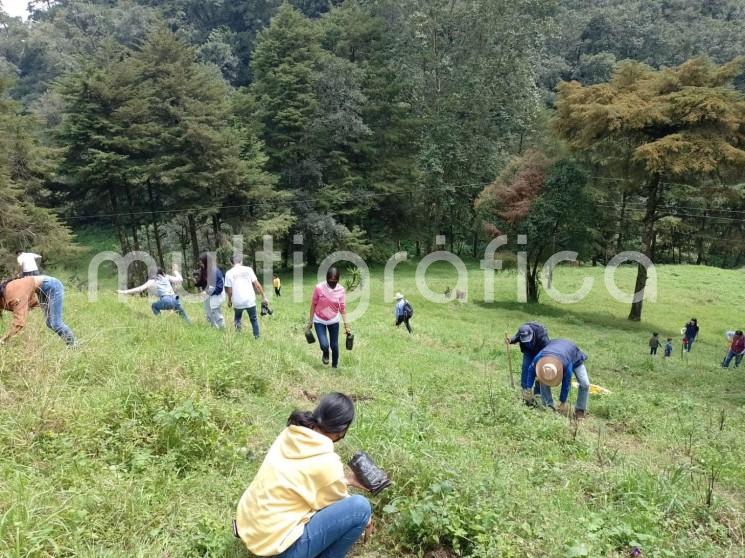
309 337
266 309
370 475
350 341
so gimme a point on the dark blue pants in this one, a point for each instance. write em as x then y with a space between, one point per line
690 343
328 338
238 314
524 380
170 303
729 357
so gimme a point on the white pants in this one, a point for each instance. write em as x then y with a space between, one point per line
214 314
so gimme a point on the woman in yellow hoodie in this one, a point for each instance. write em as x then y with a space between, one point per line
298 504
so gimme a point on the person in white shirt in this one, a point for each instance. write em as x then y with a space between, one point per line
241 284
162 284
27 263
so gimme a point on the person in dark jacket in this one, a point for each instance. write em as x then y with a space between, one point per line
555 365
691 332
736 350
532 337
654 343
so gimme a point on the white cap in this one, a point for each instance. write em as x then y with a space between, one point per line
399 296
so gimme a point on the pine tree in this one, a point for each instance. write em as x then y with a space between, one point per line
23 223
666 127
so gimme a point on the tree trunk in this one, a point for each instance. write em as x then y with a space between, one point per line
148 239
533 289
156 232
216 230
194 239
648 242
621 222
117 224
139 273
699 251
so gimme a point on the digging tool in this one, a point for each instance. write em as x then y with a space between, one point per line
509 360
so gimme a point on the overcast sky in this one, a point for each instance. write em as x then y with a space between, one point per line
15 7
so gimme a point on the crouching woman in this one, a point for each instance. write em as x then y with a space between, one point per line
298 504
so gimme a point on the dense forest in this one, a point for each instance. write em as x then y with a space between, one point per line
370 125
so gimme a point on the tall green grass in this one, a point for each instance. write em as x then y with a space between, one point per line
141 442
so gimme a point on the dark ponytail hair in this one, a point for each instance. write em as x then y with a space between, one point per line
333 415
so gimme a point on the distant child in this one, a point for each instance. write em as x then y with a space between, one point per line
277 284
654 343
669 347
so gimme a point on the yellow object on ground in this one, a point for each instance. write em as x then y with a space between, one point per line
595 390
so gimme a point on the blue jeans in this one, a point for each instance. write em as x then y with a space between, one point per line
51 300
238 315
580 372
169 303
328 337
331 532
690 343
524 379
729 357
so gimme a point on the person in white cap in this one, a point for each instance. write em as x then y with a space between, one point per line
403 311
554 366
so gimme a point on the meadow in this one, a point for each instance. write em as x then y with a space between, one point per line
140 442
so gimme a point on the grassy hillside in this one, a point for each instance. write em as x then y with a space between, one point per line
140 442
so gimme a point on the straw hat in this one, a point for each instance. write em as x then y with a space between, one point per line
399 296
550 371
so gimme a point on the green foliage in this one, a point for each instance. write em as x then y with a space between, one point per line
544 200
655 129
25 224
150 432
588 36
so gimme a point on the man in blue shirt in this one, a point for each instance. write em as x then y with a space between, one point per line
532 337
555 365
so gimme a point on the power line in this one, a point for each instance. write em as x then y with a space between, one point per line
372 195
274 203
680 214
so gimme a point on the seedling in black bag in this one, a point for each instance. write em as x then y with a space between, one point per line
350 341
368 473
309 337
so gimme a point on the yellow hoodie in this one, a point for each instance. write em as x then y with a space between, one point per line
300 475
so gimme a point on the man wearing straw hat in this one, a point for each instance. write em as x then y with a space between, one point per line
554 366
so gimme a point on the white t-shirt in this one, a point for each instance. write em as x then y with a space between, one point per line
241 279
27 261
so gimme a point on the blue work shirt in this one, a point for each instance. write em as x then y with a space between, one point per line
399 308
571 357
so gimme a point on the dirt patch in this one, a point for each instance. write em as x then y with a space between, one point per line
441 552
